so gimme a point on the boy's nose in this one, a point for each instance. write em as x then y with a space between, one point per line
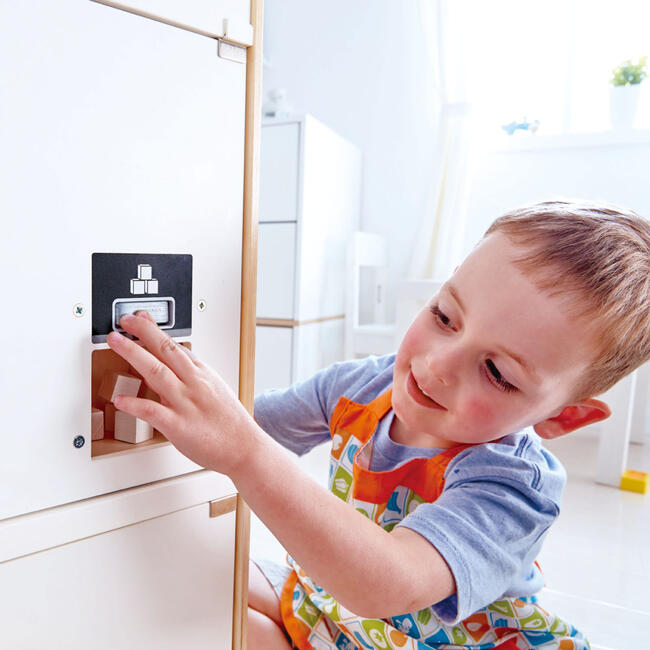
443 364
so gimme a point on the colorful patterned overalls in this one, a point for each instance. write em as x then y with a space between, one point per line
315 621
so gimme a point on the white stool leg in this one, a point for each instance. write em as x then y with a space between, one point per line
641 414
615 435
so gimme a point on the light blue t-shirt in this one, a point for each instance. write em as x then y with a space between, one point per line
499 499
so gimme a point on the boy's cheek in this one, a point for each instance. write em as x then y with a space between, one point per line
480 412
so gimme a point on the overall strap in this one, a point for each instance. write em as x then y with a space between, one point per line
382 404
425 476
359 420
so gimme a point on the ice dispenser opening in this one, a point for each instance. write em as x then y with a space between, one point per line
114 432
162 310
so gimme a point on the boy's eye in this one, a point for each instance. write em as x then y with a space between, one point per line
497 379
442 318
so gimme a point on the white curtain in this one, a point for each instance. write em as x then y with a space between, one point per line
439 242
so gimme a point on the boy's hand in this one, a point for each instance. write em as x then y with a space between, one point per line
199 414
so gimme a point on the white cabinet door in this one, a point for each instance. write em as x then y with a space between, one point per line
273 357
279 172
162 583
123 135
276 270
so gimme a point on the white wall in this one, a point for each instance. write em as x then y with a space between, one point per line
609 166
360 67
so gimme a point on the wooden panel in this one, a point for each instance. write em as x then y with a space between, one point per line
276 270
273 358
123 135
279 172
248 305
163 583
281 322
252 164
240 596
223 506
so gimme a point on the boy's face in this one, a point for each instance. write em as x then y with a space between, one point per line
489 355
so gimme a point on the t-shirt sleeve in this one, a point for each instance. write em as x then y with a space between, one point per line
498 503
298 416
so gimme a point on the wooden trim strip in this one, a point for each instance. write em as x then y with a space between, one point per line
240 596
223 506
252 138
286 322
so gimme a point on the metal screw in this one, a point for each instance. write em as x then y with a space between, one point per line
79 310
202 305
78 442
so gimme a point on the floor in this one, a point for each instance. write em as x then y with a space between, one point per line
596 559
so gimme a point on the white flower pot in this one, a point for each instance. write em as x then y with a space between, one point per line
623 102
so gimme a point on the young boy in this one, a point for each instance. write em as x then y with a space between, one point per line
437 449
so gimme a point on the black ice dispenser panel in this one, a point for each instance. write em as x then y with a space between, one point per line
124 283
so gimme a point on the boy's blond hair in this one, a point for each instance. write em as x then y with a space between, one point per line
600 255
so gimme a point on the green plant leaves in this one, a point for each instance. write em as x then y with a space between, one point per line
628 73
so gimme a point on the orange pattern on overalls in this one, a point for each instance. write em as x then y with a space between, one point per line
315 621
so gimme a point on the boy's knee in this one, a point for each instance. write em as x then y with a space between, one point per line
264 633
262 596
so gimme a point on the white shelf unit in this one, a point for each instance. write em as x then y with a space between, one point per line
310 196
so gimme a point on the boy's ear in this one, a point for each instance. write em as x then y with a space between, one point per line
573 417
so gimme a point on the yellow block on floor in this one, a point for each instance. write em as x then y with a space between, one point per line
635 481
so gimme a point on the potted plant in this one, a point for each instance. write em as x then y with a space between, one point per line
624 94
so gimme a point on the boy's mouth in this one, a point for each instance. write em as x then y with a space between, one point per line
419 395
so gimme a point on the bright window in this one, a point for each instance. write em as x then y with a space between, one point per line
550 61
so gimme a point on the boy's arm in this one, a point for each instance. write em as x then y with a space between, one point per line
371 572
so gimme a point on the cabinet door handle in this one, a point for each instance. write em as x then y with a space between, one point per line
223 506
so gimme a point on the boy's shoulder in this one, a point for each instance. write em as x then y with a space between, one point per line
361 380
518 459
309 404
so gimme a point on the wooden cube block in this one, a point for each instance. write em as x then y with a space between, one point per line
118 383
97 424
109 417
128 428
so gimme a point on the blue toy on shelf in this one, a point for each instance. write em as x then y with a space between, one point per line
524 126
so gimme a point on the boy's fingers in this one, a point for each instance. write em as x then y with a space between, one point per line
160 344
155 373
159 416
145 314
190 354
